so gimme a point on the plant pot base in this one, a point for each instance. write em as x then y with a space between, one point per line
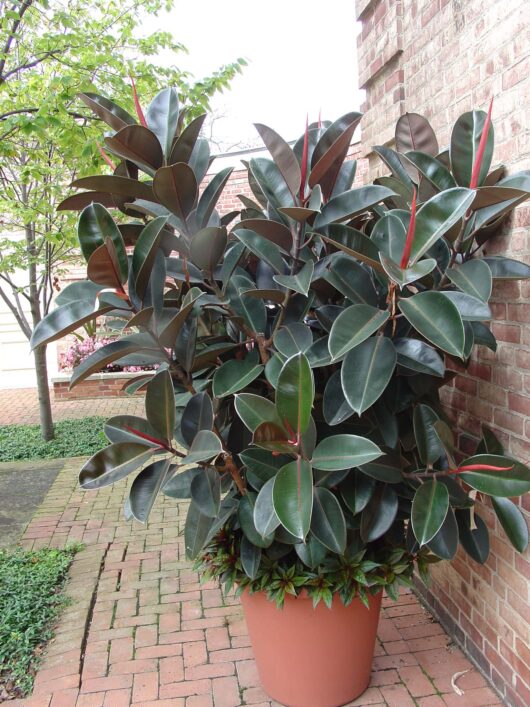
312 657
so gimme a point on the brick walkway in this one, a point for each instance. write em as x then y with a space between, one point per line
142 631
20 406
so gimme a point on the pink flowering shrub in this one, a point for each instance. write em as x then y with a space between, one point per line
82 348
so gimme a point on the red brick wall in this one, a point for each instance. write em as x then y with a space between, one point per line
441 58
107 387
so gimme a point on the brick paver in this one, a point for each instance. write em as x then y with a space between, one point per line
20 406
156 638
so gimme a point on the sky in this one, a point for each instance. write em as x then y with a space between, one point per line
301 56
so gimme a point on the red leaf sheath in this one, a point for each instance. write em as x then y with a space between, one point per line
480 467
105 156
410 234
305 152
139 111
481 149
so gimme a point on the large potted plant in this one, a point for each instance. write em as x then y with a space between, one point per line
300 356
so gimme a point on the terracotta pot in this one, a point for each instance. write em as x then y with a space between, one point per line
312 657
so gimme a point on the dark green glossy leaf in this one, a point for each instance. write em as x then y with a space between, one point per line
210 196
318 353
265 519
475 541
176 188
262 248
366 371
472 277
293 497
162 117
255 409
103 266
418 356
347 205
65 319
344 451
512 521
387 468
114 184
183 146
465 140
353 243
312 552
108 354
482 335
139 145
205 446
273 231
470 308
437 319
145 488
234 375
283 156
414 132
160 404
273 367
509 483
170 332
113 463
393 162
379 513
489 444
437 173
429 509
445 543
295 393
207 247
252 310
436 217
429 445
198 415
271 182
327 520
293 338
110 112
245 514
206 492
94 227
335 407
390 232
261 465
145 253
353 326
179 485
300 282
351 280
405 276
250 557
120 429
356 491
507 268
196 531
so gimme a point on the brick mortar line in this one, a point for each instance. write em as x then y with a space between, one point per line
90 613
428 601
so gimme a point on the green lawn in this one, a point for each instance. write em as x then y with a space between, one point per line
73 438
30 599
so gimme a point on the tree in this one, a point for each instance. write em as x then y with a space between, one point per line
51 50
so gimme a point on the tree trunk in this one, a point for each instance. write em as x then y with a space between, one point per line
43 390
41 369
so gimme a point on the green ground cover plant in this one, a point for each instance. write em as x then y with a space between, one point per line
72 438
31 598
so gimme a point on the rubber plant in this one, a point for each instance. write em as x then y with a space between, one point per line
300 355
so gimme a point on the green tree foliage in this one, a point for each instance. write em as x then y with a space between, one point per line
49 52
